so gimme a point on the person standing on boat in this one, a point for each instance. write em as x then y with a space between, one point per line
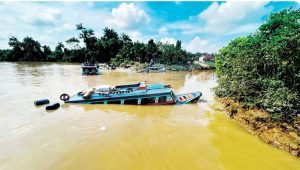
144 84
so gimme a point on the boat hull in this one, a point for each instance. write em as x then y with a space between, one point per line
191 98
89 69
135 94
188 98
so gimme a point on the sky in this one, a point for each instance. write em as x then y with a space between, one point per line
201 26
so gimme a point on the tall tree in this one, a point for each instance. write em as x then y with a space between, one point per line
46 52
90 41
73 42
32 50
58 53
152 51
178 45
109 34
111 44
17 52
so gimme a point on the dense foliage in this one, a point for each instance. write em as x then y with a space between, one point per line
263 70
110 48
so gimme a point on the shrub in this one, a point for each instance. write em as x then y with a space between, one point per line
262 70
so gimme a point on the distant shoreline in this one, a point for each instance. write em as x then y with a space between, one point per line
133 67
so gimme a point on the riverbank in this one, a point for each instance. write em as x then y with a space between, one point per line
258 123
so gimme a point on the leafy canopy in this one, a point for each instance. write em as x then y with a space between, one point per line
263 69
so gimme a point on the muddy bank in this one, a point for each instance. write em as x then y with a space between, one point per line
258 123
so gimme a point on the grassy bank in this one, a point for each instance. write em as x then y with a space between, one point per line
258 122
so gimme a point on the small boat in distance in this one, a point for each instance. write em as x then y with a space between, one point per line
103 66
153 70
89 68
136 94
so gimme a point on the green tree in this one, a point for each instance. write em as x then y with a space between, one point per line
5 54
262 69
76 53
73 42
111 44
178 45
88 37
111 47
32 50
152 52
58 53
126 53
140 52
46 52
16 52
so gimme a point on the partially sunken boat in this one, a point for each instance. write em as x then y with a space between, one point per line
89 69
139 94
155 69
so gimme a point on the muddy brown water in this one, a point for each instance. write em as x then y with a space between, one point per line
113 137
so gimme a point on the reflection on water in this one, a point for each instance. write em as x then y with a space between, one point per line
195 136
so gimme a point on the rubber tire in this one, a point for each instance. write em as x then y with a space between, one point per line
53 106
41 102
64 99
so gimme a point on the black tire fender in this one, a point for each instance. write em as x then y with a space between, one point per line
53 106
64 97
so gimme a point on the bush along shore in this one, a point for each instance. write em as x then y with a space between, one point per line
260 74
112 47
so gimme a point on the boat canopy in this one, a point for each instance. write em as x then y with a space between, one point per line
103 88
102 65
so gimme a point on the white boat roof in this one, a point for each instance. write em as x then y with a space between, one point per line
104 86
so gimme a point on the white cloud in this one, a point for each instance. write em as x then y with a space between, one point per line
60 29
48 22
39 17
50 14
168 40
226 18
179 25
136 36
248 28
52 22
163 30
68 26
127 16
230 15
201 45
192 30
187 27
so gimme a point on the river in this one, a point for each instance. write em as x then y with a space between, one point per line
127 137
